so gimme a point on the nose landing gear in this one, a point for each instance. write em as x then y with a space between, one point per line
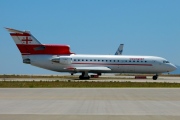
155 77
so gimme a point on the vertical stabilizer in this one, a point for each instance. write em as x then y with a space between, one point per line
23 37
24 40
119 50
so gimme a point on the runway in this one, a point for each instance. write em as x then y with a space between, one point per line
101 78
90 103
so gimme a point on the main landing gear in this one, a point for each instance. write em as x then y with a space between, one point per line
84 75
155 77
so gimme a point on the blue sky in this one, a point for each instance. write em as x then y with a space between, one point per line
91 27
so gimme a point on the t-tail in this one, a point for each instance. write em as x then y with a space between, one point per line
29 45
24 40
119 50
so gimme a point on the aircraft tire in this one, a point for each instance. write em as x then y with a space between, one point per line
155 77
81 77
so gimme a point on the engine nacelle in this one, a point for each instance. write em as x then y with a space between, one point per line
62 60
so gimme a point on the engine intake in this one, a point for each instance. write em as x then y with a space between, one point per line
62 60
56 60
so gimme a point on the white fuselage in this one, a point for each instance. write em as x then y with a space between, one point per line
52 57
117 64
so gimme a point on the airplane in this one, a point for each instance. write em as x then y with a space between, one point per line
119 50
59 58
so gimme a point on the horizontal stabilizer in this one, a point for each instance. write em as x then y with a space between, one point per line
16 31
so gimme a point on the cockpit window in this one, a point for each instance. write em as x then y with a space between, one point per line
165 61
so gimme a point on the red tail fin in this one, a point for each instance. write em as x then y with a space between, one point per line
28 44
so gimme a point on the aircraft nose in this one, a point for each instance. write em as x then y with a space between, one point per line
172 67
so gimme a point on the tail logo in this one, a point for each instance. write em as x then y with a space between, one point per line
26 40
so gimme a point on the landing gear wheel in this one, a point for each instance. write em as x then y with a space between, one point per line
88 77
81 77
99 74
155 77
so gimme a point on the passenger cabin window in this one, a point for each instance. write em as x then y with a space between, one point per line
74 59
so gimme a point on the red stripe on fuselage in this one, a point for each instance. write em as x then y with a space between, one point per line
115 64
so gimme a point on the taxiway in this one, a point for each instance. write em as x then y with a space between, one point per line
101 78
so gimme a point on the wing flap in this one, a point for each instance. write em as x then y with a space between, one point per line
89 68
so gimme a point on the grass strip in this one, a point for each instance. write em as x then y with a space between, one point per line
84 84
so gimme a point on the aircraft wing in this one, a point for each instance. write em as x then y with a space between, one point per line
89 68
